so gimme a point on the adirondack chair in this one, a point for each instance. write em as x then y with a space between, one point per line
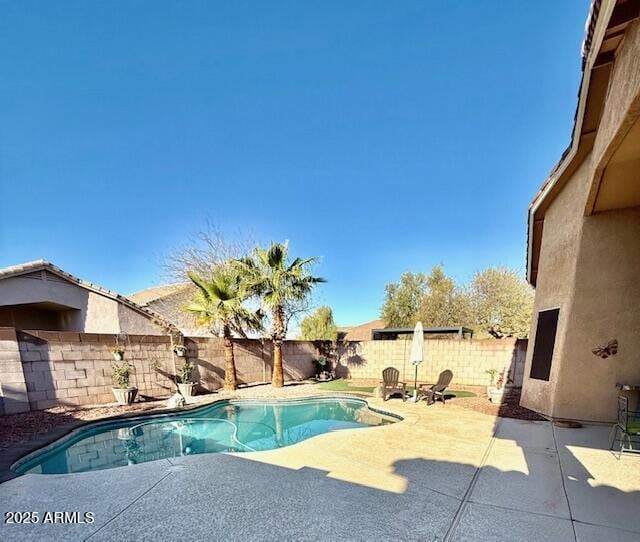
432 392
390 384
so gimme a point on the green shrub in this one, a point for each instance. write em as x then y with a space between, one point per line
121 374
185 373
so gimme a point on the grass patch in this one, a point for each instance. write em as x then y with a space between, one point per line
449 393
344 385
461 393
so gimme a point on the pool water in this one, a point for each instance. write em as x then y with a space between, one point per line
226 426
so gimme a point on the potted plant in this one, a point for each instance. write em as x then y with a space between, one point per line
492 376
123 392
185 379
321 370
118 352
497 394
180 350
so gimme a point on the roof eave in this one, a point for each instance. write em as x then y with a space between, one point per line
597 32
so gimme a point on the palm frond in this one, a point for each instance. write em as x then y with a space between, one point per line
279 283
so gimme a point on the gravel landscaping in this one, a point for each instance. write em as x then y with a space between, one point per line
510 409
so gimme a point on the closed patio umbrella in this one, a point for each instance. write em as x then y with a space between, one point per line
417 355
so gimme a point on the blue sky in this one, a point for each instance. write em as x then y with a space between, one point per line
379 136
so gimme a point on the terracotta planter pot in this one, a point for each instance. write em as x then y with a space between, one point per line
125 396
186 390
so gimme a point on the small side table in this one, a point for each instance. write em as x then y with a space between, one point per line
631 392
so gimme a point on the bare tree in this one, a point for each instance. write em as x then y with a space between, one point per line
204 251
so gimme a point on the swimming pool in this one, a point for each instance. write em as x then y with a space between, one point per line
225 426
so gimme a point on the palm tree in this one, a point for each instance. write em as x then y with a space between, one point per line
282 286
219 303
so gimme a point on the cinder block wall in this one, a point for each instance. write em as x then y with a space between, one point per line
468 359
254 360
43 369
13 388
65 368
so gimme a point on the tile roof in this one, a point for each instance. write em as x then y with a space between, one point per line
361 332
148 295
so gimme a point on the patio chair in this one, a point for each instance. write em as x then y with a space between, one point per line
391 385
432 392
626 428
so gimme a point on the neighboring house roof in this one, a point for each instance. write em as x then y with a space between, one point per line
604 31
170 300
392 333
148 295
43 265
361 332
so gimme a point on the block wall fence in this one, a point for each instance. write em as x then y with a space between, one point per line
44 369
468 359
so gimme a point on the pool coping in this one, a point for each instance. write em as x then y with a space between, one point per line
22 452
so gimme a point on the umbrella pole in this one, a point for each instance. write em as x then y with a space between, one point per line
415 385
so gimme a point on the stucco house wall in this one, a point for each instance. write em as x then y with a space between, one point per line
589 261
589 270
605 305
554 289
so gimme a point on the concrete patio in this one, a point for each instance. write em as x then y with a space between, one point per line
443 473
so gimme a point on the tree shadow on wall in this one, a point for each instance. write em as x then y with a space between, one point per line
343 355
209 377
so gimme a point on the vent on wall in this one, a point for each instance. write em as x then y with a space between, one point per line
43 275
544 344
35 275
54 278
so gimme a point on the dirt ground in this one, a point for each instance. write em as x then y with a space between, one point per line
511 409
16 428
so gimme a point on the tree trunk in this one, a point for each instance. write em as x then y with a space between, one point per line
277 380
230 382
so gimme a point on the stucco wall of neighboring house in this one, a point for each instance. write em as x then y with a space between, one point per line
100 316
134 322
554 288
86 311
41 287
